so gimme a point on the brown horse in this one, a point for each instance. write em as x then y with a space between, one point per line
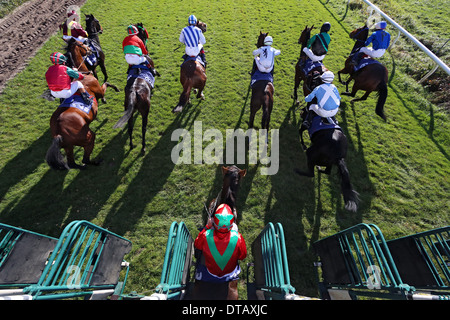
138 93
373 77
299 73
232 177
192 76
262 95
70 126
93 29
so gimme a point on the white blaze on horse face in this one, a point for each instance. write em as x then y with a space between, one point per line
235 147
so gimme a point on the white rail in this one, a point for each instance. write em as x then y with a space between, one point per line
439 62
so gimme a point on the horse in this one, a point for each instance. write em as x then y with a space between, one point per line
192 76
299 73
138 93
232 177
93 29
70 126
328 147
373 77
262 95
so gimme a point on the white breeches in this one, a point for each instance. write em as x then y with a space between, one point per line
193 51
322 112
373 53
312 56
135 59
67 93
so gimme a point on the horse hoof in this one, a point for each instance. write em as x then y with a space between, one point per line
177 109
382 115
202 97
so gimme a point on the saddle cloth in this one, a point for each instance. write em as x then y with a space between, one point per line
93 58
189 58
261 76
318 123
310 65
202 273
76 101
140 71
364 63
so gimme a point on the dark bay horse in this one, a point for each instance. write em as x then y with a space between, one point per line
192 76
329 147
232 177
137 98
373 77
299 73
262 96
93 29
70 126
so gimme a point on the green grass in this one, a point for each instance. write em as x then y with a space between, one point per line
400 168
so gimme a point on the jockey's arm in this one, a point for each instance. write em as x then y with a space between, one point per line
181 39
202 39
74 74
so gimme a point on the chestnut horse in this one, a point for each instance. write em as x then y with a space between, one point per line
93 29
137 98
299 73
262 95
373 77
70 126
192 76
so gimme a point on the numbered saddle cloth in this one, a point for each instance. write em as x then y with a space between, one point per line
261 76
140 71
76 101
310 65
364 63
318 123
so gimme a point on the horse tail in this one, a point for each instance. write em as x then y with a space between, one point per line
54 156
267 104
133 99
351 198
382 95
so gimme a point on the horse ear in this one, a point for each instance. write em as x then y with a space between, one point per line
224 170
242 173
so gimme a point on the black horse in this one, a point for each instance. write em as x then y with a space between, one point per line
137 97
93 29
328 147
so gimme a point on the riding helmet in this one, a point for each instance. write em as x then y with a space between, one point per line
192 20
327 77
223 218
325 27
58 58
132 30
268 41
381 25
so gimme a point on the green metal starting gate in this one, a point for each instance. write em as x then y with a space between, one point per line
271 270
175 274
86 261
358 262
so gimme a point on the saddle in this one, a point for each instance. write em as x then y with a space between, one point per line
140 71
95 48
196 58
261 76
76 101
318 123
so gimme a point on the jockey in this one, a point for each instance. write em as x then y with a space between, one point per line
76 30
134 48
317 46
194 39
221 248
265 56
328 100
59 79
380 40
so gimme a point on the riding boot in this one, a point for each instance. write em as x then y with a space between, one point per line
203 57
253 68
308 119
87 98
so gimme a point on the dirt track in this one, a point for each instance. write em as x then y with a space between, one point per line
25 30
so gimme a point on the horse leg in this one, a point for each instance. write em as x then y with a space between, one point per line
103 68
88 148
130 131
364 97
254 107
200 94
144 115
311 165
71 159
